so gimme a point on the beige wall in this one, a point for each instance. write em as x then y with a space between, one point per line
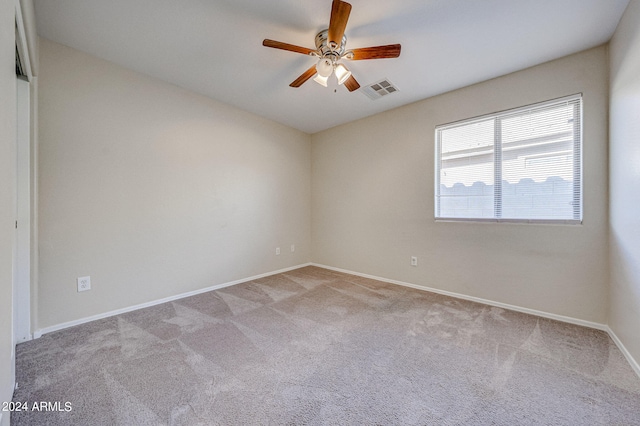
154 191
373 189
7 188
624 140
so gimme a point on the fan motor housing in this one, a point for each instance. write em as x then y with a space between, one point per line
322 44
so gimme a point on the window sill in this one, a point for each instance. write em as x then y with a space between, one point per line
513 221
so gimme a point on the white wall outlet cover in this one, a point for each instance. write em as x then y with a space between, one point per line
84 283
293 248
414 261
277 251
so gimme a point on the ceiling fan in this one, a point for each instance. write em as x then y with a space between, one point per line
331 48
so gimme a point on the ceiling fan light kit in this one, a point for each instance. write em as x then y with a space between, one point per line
331 49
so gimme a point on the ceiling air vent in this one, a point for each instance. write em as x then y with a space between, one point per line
379 89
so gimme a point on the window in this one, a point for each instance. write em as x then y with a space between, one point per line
522 165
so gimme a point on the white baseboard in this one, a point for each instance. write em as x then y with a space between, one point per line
634 364
5 418
535 312
40 332
13 375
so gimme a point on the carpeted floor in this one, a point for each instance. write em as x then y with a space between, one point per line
313 346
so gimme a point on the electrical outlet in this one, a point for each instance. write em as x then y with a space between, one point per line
293 248
277 251
414 261
84 283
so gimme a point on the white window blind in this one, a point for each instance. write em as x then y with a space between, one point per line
517 165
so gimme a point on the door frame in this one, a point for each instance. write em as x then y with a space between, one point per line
22 254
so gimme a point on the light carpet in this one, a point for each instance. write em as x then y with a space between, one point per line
318 347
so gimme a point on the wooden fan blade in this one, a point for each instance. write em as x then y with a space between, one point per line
340 11
286 46
376 52
304 77
351 84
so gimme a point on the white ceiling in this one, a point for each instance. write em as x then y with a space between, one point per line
214 47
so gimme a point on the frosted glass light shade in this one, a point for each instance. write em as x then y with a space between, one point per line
321 80
324 67
342 73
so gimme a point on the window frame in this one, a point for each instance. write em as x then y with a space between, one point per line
577 152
